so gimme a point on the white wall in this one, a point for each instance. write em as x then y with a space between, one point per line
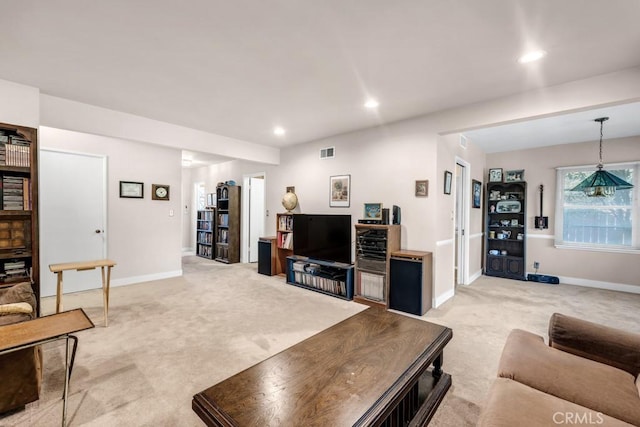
19 104
142 237
71 115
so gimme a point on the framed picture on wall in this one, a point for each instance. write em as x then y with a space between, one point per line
131 190
448 176
340 191
422 188
373 211
514 176
476 193
495 175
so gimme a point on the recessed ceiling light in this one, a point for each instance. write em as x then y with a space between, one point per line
278 130
371 103
532 56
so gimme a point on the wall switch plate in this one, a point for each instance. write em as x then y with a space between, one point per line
170 212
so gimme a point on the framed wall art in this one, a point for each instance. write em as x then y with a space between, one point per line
448 177
340 191
476 193
495 175
131 190
373 211
514 176
422 188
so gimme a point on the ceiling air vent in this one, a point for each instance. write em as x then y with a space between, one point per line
327 153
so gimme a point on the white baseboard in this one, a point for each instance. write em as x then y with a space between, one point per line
441 299
475 276
188 251
610 286
145 278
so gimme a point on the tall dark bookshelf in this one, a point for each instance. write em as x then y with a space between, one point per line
227 241
19 248
205 233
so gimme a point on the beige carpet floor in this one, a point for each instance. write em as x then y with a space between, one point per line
169 339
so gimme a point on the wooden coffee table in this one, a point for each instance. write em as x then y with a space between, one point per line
365 370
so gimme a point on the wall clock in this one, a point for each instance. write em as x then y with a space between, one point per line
159 192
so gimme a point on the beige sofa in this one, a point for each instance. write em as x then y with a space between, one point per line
587 375
20 371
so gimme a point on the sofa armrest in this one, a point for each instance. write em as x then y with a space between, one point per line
604 344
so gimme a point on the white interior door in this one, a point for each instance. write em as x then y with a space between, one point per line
462 222
256 215
72 192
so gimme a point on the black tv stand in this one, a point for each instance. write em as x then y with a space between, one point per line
327 277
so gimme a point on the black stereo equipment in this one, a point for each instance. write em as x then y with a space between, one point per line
396 214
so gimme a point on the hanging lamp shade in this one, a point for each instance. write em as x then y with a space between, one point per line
601 183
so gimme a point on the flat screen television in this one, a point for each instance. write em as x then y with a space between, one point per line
322 237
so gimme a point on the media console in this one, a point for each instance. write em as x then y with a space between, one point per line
327 277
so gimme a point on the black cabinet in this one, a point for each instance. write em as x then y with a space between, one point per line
505 230
410 288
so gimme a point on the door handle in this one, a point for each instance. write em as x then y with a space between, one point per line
98 231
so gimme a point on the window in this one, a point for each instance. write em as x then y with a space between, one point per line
599 223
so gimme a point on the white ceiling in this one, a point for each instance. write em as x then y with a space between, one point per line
624 121
237 68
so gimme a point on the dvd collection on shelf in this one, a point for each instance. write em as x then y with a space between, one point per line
303 277
205 251
223 220
205 237
223 236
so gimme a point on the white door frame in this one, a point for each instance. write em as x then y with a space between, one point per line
463 201
244 236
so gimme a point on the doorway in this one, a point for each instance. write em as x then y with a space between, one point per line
253 214
462 186
72 216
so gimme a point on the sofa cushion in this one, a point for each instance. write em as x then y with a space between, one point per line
528 360
15 308
597 342
20 292
511 403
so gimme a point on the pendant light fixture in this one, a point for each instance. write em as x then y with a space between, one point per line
601 183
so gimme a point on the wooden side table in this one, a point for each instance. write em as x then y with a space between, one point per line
81 266
18 336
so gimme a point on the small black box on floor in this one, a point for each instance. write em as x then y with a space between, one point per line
543 278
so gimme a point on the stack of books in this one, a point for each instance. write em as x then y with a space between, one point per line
16 193
14 150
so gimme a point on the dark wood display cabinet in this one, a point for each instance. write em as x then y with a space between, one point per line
19 250
505 231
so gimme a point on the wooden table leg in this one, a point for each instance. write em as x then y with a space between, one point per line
59 293
105 294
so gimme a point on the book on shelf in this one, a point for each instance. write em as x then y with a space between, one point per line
285 240
285 223
14 151
16 193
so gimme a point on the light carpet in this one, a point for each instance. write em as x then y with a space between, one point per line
170 339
